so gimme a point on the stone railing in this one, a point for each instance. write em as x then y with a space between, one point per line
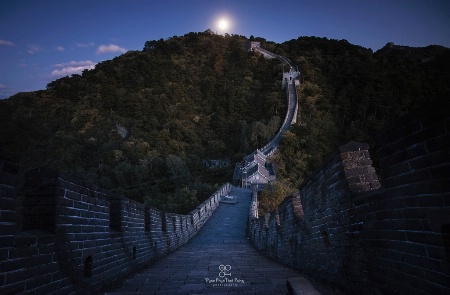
346 230
77 238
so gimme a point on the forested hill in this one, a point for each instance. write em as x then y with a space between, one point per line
143 122
348 92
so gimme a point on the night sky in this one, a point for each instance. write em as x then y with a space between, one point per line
43 40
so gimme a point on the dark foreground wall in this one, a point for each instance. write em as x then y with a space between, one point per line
77 238
345 229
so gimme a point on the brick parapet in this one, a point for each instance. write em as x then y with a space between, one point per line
9 168
78 238
362 237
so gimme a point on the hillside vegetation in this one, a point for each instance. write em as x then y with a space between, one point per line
142 123
347 93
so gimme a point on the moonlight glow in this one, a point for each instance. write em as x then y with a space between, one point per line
223 24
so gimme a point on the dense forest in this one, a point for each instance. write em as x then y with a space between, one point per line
348 92
143 123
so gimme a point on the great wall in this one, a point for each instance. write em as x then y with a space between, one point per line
347 228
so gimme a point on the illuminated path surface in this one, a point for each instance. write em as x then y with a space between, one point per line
221 241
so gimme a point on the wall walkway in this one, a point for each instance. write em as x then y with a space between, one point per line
219 260
291 93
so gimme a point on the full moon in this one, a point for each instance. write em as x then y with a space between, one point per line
223 24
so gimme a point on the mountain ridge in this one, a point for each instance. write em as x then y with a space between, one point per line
142 123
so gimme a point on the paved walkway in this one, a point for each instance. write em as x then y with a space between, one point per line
218 260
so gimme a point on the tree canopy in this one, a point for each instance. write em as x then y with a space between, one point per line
142 123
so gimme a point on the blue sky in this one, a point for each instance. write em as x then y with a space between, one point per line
43 40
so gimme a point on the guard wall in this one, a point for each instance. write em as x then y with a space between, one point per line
79 239
346 230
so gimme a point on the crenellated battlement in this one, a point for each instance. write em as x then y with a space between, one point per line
78 238
349 229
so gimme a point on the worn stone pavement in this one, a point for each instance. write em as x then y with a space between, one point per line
195 268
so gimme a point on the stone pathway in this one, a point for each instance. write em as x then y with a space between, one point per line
218 260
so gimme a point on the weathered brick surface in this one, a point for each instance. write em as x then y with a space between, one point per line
68 222
370 236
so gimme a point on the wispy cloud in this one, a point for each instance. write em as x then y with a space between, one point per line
60 48
86 45
22 63
5 91
6 43
73 67
110 48
32 49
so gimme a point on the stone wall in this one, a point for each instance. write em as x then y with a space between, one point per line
77 238
346 230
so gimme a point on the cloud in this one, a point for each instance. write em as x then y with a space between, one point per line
2 86
22 63
32 49
86 45
6 43
110 48
59 48
73 67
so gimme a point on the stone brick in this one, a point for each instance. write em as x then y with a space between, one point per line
48 288
8 178
413 177
441 172
424 238
23 252
440 143
10 265
9 167
8 228
415 213
71 195
390 214
17 288
7 194
437 278
424 201
37 281
432 187
423 285
408 247
398 169
436 252
406 224
19 276
428 160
